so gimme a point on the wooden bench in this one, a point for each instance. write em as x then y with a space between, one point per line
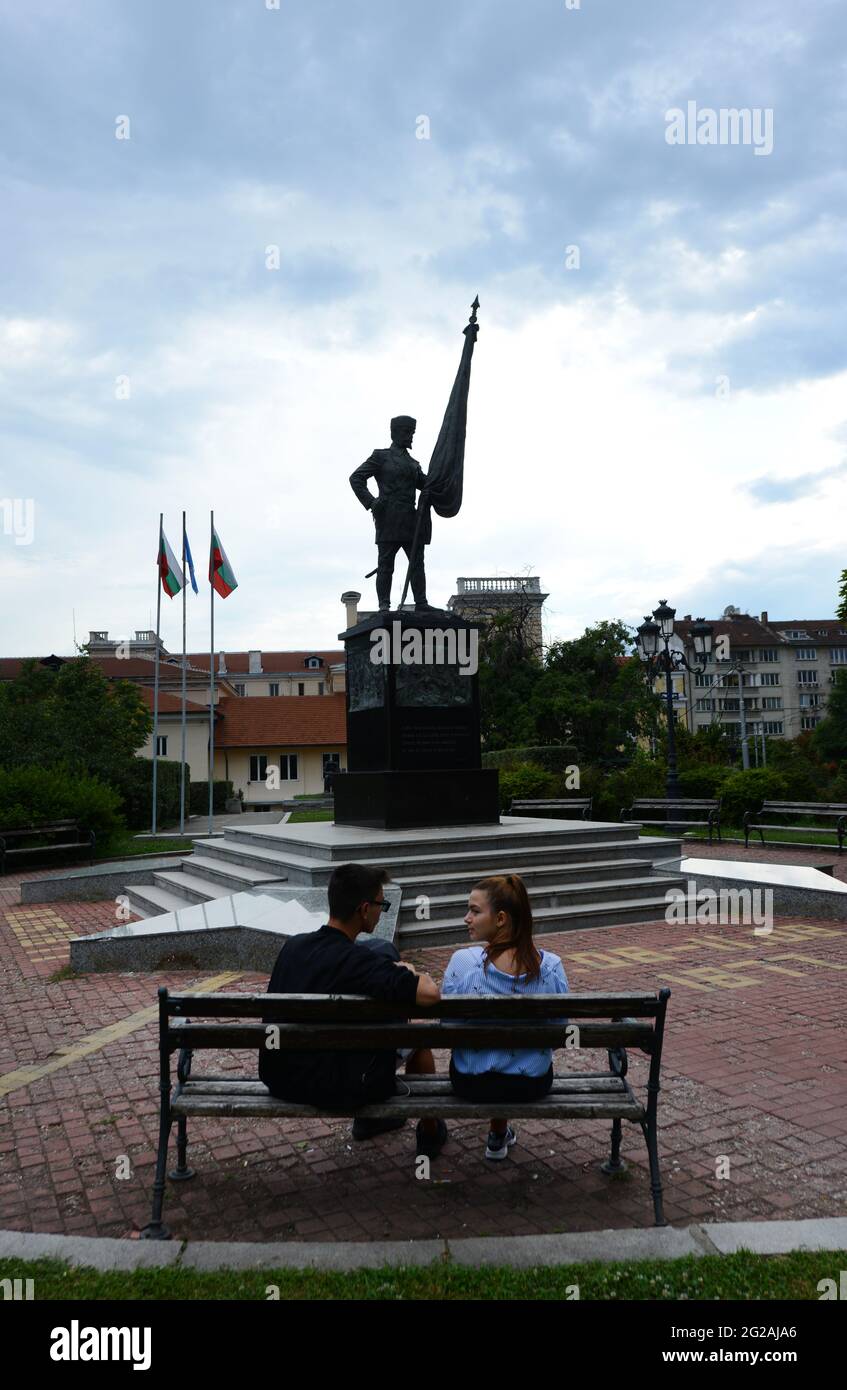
819 810
679 813
63 835
558 807
301 1022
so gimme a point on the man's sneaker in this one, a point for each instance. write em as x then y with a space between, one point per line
498 1145
431 1144
369 1129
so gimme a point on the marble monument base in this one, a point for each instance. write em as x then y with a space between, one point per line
412 799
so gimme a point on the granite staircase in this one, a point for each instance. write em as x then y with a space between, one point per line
578 873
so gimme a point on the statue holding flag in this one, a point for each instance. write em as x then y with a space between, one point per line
398 477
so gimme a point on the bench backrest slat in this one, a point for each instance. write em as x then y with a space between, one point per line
328 1008
342 1036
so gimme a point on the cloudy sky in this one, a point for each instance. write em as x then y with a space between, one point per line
659 399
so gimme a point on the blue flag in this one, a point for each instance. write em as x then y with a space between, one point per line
190 563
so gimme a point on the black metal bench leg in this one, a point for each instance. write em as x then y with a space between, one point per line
614 1163
182 1172
655 1177
156 1230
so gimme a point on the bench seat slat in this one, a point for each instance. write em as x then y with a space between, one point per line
204 1087
341 1036
589 1106
768 825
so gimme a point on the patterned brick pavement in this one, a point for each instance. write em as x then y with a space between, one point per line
755 1072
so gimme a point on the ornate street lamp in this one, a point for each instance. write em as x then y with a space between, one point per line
654 646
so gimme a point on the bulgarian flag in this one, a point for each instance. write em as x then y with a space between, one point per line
221 576
170 573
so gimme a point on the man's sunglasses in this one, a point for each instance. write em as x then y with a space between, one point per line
382 905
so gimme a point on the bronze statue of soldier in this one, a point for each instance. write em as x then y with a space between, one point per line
398 477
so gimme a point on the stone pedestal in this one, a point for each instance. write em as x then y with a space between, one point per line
413 741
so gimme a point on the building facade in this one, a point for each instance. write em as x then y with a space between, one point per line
786 669
480 600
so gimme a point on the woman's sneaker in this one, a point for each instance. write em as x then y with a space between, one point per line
498 1145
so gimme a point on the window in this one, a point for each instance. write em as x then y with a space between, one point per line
772 702
743 654
769 678
162 746
809 721
704 706
807 653
301 687
331 763
807 677
239 688
769 654
838 656
313 663
773 726
288 769
810 701
796 633
273 687
320 687
258 767
731 728
702 680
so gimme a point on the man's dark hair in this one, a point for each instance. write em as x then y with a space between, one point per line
352 884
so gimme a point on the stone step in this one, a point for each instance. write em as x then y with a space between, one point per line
551 919
552 896
238 878
148 900
189 888
411 868
514 832
534 875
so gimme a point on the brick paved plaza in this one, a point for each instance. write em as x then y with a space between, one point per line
755 1069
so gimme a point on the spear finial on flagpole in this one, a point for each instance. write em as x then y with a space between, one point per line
474 307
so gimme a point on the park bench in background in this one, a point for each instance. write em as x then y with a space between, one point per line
557 807
612 1022
58 836
678 813
827 811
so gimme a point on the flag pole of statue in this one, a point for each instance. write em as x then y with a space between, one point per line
445 477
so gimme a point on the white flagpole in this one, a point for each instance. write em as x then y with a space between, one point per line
182 751
156 672
211 680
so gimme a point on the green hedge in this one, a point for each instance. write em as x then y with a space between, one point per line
527 780
553 758
136 789
199 804
32 795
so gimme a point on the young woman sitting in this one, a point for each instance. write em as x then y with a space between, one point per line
506 962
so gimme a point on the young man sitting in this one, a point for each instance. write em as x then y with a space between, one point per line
331 961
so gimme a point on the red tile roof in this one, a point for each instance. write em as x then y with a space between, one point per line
171 704
270 721
744 631
273 663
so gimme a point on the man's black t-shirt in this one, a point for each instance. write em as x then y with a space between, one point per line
328 962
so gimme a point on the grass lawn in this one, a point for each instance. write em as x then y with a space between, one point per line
742 1277
124 846
299 816
729 833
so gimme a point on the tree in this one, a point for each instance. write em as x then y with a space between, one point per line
841 610
74 717
508 673
829 740
594 694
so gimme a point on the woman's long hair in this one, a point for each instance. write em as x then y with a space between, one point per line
507 893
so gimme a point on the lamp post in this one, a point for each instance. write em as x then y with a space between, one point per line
654 646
